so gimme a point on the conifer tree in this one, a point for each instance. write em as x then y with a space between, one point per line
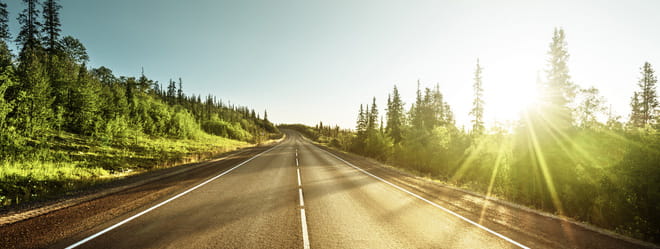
5 53
30 25
179 94
86 109
636 119
361 126
647 94
478 103
415 113
51 26
558 91
372 117
33 113
395 116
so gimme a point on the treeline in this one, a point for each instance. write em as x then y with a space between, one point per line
46 89
559 157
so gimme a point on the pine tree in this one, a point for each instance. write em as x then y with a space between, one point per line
558 91
33 113
415 113
266 115
647 94
5 53
478 103
636 118
29 20
372 117
171 91
51 26
86 110
361 126
179 94
4 22
395 116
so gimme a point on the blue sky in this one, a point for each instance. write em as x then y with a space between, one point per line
310 61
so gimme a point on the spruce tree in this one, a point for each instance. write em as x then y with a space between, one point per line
33 113
5 53
558 91
372 117
28 37
478 103
647 94
179 94
51 26
636 119
86 110
361 126
395 116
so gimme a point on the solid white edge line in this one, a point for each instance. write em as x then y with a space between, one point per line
303 220
429 202
299 182
164 202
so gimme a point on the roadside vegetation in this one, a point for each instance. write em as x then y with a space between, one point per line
65 126
566 154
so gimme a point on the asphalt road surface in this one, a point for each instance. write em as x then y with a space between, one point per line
295 195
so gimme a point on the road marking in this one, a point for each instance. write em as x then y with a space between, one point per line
164 202
429 202
303 219
302 201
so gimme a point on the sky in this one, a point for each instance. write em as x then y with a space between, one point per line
308 61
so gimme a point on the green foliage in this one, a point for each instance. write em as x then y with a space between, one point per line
604 174
64 126
223 128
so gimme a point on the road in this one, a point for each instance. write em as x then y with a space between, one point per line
296 195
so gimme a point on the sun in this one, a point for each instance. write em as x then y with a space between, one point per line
506 103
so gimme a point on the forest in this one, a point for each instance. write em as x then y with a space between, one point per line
566 154
65 126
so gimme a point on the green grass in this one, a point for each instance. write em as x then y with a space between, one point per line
68 162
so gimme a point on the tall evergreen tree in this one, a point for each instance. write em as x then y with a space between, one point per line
361 126
372 117
179 93
86 111
558 91
636 118
648 102
33 113
30 25
415 113
478 103
395 116
5 53
51 26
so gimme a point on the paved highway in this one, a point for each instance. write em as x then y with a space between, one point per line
293 195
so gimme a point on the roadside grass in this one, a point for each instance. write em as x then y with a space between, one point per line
67 163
